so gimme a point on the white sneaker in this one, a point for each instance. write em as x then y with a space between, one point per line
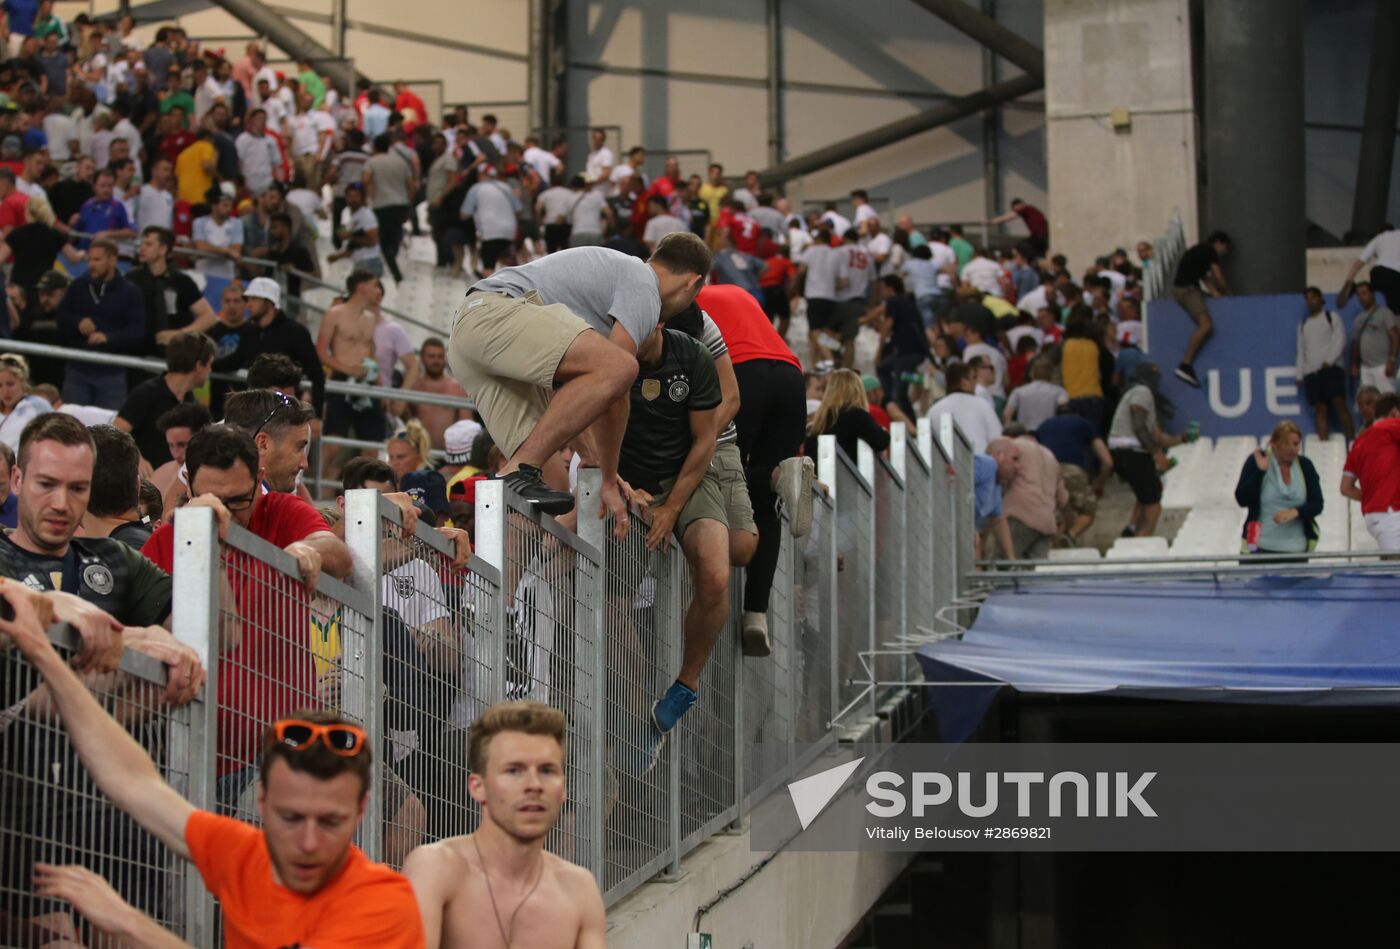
795 478
756 635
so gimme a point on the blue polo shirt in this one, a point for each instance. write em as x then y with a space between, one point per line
95 216
986 489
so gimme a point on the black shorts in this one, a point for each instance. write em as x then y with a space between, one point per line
849 314
776 303
821 314
368 424
492 252
556 236
1140 472
1325 385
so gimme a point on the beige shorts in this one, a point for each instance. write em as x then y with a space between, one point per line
728 467
1192 300
706 502
505 351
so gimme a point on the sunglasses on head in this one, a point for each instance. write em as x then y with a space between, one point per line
283 401
297 734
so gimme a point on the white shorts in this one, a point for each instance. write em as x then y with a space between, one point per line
1385 528
1375 376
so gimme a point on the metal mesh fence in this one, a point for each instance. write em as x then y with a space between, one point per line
891 580
642 613
291 651
768 680
919 526
963 523
431 614
547 653
51 811
854 580
944 538
812 566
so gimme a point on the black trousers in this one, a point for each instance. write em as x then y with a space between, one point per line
1387 283
772 423
391 221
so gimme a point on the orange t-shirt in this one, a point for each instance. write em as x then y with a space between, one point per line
367 904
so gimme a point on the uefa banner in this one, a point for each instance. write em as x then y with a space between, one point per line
1248 381
1124 796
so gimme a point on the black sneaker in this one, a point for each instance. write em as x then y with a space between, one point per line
1129 531
1187 374
527 482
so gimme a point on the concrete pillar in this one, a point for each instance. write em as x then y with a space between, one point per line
1254 140
1378 133
1114 185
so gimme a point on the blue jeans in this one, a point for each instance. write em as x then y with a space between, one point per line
102 386
230 788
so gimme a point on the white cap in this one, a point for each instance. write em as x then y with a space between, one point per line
458 439
264 288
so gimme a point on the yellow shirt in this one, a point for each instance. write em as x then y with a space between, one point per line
194 181
713 195
1079 365
998 306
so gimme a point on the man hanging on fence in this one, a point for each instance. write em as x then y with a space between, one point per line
522 348
501 877
666 457
296 881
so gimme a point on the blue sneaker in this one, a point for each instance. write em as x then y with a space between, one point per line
678 700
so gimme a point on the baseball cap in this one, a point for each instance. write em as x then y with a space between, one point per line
870 383
264 288
429 492
458 440
11 146
465 490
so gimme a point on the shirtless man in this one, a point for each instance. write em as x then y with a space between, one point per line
498 887
346 346
437 418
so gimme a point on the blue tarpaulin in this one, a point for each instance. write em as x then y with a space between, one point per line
1272 640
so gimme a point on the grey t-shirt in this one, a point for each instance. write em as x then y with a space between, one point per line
824 264
587 215
771 220
391 175
1372 333
493 206
1121 433
600 286
1035 402
556 203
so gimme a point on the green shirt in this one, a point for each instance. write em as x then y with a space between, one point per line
315 85
658 436
183 99
104 572
962 250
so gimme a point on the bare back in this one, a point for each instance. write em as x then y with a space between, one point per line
565 910
437 418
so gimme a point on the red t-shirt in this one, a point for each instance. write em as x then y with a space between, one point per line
12 209
746 329
270 673
776 270
365 904
1016 369
1375 462
881 417
743 228
172 145
414 112
1035 220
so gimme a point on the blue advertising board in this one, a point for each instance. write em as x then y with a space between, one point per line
1246 368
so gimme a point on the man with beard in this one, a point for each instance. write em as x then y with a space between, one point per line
281 428
437 418
516 756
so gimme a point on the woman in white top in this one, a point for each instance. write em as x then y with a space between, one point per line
17 406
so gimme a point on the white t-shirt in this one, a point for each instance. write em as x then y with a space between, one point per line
624 173
307 129
154 208
414 591
825 264
943 257
228 234
598 163
544 162
555 203
984 274
1384 251
257 157
1035 402
977 419
661 225
364 220
308 202
60 130
864 213
839 225
1033 301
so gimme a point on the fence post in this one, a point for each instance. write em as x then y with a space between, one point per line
195 592
490 542
673 566
362 536
826 474
865 463
592 529
899 461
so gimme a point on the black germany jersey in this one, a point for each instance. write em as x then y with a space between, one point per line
658 429
105 572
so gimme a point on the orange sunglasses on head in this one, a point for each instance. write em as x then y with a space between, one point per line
297 734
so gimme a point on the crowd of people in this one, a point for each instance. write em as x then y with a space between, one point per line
616 321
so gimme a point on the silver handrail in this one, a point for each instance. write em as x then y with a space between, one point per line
321 284
156 367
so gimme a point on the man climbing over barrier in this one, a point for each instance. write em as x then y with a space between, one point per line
522 348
